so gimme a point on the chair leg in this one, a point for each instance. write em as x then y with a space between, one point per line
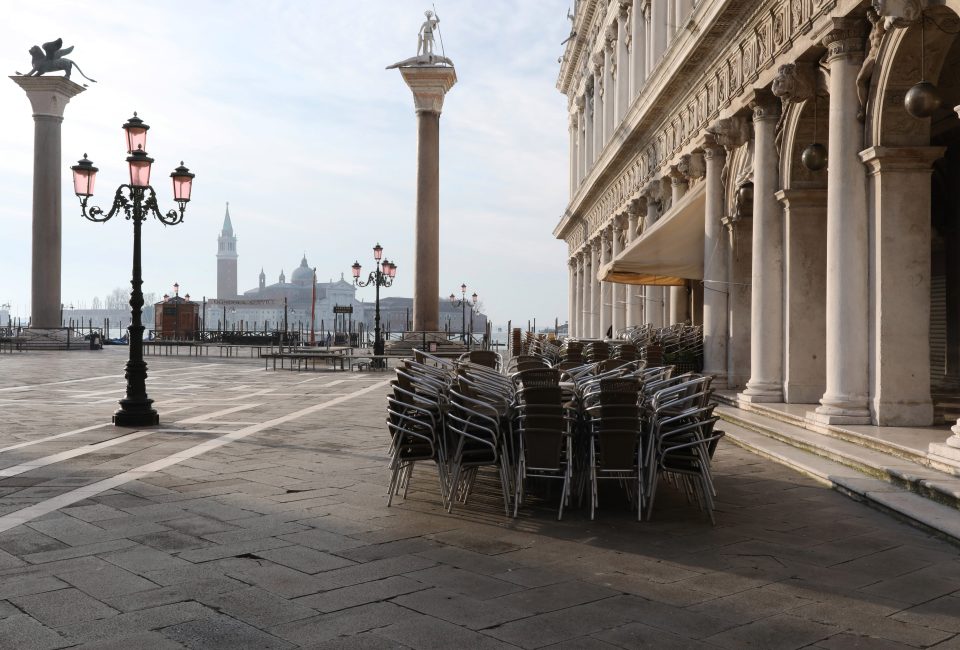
395 472
407 479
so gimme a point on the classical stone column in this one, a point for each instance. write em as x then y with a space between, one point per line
679 297
653 304
430 85
619 290
635 292
571 294
589 128
714 269
606 288
671 20
659 30
609 88
739 232
805 284
581 139
583 330
766 310
573 152
650 53
848 252
638 48
48 96
624 73
595 300
682 12
599 106
900 283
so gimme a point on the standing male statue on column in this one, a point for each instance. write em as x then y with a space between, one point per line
425 35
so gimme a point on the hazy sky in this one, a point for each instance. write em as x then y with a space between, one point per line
285 110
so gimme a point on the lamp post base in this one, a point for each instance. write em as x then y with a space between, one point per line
136 414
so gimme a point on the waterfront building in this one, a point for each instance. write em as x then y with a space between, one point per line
700 134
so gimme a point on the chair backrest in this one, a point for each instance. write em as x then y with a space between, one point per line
487 358
536 377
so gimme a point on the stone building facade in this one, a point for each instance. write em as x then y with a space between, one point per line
695 194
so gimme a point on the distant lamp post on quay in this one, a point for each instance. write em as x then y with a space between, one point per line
463 302
382 275
136 200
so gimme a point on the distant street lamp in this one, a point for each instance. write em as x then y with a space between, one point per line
462 302
382 275
137 200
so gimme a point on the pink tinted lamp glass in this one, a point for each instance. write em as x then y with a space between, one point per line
83 181
182 186
139 173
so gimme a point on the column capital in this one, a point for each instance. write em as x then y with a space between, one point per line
48 95
765 105
624 9
894 159
846 38
429 85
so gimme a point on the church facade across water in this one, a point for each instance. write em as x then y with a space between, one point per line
270 305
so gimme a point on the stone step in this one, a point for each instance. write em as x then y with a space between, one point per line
917 509
925 481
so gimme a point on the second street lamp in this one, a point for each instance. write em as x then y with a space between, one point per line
462 302
382 275
137 200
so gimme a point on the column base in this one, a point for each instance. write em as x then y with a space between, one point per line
719 379
839 411
760 392
947 453
136 414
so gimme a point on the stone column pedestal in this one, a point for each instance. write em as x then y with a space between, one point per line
947 453
429 85
48 96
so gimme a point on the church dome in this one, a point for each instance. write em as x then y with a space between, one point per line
303 274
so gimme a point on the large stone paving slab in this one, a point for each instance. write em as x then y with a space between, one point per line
279 535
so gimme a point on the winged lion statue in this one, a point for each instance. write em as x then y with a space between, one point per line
51 58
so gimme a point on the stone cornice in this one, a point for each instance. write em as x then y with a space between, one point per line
735 46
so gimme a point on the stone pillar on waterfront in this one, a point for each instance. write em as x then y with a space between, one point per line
848 252
48 96
714 269
766 310
430 84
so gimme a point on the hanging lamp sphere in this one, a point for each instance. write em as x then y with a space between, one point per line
922 100
814 157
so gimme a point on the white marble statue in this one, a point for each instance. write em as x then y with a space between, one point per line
425 35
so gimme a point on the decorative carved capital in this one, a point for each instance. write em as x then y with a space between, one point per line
653 191
846 38
731 132
764 106
637 207
715 151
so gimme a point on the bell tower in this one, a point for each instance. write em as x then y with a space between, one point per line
227 260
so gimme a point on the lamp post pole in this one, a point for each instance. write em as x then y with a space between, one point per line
462 303
382 276
203 321
137 200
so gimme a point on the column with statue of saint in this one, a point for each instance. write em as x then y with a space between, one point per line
429 77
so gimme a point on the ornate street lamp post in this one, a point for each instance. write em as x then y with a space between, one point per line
462 302
382 275
137 200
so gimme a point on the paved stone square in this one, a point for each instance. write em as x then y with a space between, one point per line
255 517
